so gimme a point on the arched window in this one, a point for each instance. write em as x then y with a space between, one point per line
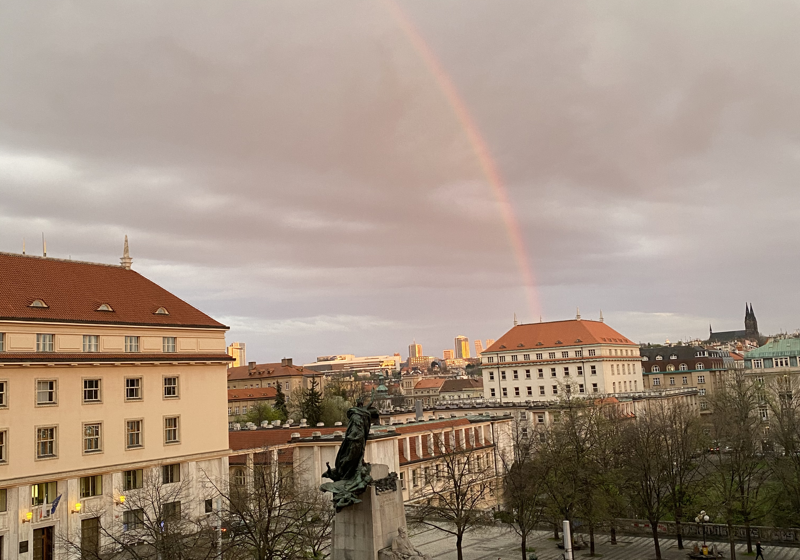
655 369
699 366
161 311
683 367
659 357
670 367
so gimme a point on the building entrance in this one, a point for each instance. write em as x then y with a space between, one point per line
43 545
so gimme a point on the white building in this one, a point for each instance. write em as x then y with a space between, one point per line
106 381
349 363
546 361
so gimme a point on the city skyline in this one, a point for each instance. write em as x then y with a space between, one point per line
441 184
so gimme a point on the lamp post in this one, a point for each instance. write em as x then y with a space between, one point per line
702 519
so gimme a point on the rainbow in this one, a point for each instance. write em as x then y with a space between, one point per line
479 146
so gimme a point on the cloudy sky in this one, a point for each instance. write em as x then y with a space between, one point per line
301 172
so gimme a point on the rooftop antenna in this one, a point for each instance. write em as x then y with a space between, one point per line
126 259
578 314
23 245
540 318
44 246
601 316
515 319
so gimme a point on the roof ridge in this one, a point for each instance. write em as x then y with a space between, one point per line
6 254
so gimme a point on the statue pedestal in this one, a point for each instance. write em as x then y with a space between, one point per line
361 530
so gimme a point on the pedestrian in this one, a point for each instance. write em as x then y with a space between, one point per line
759 552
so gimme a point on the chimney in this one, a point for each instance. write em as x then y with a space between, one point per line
286 362
251 366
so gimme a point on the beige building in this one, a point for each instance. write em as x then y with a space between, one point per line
105 377
546 361
284 374
242 401
236 350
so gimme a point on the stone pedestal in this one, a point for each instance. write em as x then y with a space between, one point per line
361 530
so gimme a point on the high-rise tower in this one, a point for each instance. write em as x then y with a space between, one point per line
415 350
462 347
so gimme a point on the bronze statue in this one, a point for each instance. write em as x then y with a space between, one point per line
350 474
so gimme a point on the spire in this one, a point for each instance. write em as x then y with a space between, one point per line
126 259
710 332
577 313
601 316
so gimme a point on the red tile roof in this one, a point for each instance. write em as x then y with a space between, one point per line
106 357
261 371
434 383
253 439
251 394
73 290
462 385
558 334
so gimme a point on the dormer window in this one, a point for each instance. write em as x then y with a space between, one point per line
659 357
38 303
161 311
645 358
104 307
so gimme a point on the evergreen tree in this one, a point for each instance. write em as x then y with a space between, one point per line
312 404
280 403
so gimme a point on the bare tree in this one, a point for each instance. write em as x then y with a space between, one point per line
156 521
458 489
523 484
784 410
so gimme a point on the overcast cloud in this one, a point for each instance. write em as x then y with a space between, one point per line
295 170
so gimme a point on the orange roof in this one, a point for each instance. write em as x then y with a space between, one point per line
73 291
462 384
268 370
251 394
558 334
252 439
429 383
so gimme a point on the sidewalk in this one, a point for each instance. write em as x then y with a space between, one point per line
493 543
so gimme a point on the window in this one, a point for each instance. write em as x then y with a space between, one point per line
594 387
635 387
131 343
490 360
672 381
527 374
161 311
655 369
104 307
3 446
699 366
524 433
645 358
91 390
579 353
132 519
580 371
3 500
516 391
538 355
46 442
565 354
44 342
541 390
614 387
656 381
530 391
702 392
2 342
580 388
764 413
132 480
43 493
685 380
553 372
593 370
170 387
670 367
168 344
516 375
758 364
566 372
46 392
551 355
505 392
514 358
703 405
492 392
659 357
91 343
91 438
683 367
133 388
502 358
555 389
701 379
540 371
503 375
491 376
91 486
171 473
133 434
3 394
171 430
209 505
778 362
592 352
526 357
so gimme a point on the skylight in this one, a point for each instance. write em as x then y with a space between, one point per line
162 311
38 303
104 307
